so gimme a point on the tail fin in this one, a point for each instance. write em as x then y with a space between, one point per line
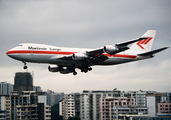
146 44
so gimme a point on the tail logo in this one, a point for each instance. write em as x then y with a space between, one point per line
143 42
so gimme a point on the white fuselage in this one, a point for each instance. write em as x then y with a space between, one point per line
40 53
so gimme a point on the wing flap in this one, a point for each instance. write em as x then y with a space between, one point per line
66 57
95 52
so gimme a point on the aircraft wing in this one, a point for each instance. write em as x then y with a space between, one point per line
96 56
153 52
66 57
95 52
119 45
126 43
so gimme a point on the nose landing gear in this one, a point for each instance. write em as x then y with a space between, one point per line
25 66
74 73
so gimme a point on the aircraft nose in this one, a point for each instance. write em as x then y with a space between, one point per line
8 53
11 52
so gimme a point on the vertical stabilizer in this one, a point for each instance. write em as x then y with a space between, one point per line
146 44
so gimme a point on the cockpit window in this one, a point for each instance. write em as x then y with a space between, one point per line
19 45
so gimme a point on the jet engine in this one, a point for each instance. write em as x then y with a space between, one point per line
65 71
62 70
54 68
79 56
111 49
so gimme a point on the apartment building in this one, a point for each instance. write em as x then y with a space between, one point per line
107 104
5 88
141 99
25 105
23 81
90 103
128 112
69 106
164 109
85 107
152 102
47 112
26 112
168 96
5 105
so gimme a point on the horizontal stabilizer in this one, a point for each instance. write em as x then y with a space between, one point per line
152 52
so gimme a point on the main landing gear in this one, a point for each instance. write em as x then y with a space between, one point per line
83 69
25 66
86 69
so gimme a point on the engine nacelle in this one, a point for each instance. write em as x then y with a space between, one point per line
65 71
110 49
79 56
53 68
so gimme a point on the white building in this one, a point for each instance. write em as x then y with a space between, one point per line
141 99
127 112
84 107
5 88
152 101
5 105
69 106
90 103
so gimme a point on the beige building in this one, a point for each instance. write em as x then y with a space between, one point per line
47 112
29 105
5 105
107 104
164 108
27 112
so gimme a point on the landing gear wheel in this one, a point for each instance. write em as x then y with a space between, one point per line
74 73
25 67
89 68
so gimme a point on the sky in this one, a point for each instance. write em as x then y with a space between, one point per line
88 24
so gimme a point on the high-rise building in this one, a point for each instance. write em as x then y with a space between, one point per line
141 99
107 104
54 98
127 113
70 105
5 105
90 103
37 88
5 88
168 96
152 102
23 81
84 107
25 105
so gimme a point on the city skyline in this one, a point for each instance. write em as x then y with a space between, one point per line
89 25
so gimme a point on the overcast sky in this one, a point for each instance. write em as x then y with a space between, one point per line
88 24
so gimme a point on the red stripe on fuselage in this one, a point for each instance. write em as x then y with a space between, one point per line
62 53
37 52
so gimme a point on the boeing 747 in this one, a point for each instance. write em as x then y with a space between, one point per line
66 60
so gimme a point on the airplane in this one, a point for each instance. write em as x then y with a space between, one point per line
66 60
